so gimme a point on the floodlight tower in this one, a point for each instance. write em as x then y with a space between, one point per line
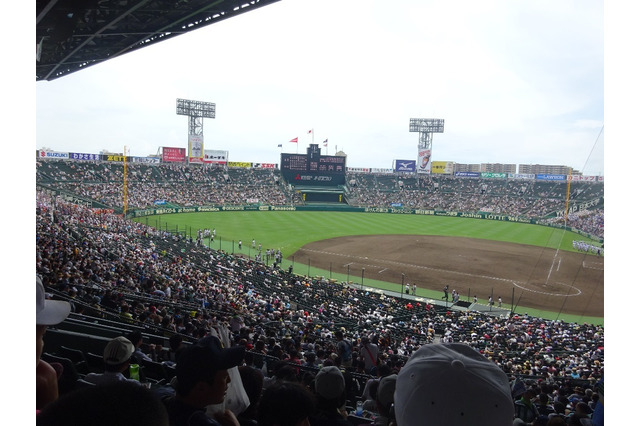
196 111
426 127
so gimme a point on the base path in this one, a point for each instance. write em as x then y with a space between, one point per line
536 277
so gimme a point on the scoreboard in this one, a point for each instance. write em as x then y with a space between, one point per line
313 169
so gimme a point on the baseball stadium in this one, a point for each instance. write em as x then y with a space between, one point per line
289 260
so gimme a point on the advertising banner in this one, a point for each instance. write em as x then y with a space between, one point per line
575 178
405 166
489 175
215 156
117 158
424 161
145 160
551 177
84 157
196 146
173 155
315 179
239 164
53 155
522 176
265 166
442 167
467 174
358 169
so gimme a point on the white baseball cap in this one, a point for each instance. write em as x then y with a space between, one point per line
49 312
452 384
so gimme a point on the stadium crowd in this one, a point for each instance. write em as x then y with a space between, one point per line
306 347
188 185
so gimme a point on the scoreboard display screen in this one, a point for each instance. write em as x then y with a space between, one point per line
296 162
313 169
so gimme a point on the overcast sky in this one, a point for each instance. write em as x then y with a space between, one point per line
518 82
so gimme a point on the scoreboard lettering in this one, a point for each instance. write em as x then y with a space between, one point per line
311 169
294 162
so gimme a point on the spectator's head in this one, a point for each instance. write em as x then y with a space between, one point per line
135 337
452 384
384 395
556 421
329 385
117 354
559 407
252 381
283 371
583 408
119 403
201 371
285 404
175 342
48 312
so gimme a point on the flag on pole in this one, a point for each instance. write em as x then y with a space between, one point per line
279 145
326 142
294 140
310 131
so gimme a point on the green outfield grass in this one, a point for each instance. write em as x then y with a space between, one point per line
289 231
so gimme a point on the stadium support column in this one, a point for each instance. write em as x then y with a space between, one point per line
426 127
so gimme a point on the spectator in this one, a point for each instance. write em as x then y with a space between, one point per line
330 394
344 350
371 389
117 356
384 400
445 384
138 355
526 410
369 353
285 404
48 312
201 380
118 403
252 381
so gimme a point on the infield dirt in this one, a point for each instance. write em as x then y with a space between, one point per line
523 275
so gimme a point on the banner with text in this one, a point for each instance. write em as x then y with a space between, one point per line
408 166
173 155
442 167
53 155
196 148
215 156
424 161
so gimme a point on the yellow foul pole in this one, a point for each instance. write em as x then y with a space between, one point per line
566 203
125 180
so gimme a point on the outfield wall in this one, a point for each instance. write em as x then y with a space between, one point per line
342 208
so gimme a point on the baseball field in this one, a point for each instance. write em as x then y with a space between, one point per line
533 269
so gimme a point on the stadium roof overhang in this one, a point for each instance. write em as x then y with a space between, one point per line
75 34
